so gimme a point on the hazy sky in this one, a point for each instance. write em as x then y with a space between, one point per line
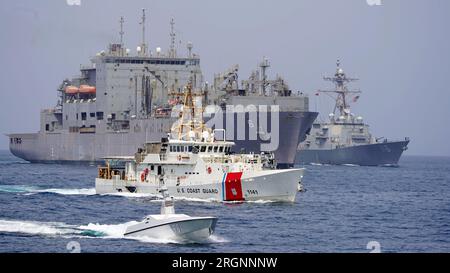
399 50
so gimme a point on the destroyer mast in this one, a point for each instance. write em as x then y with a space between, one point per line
340 80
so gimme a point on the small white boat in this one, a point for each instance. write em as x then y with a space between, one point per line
169 225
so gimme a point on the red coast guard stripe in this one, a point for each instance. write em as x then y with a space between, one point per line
233 187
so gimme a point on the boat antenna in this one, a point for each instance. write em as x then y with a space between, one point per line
143 49
191 116
167 206
172 52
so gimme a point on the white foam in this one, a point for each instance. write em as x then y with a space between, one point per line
217 239
90 191
33 190
17 188
261 201
350 165
35 228
112 231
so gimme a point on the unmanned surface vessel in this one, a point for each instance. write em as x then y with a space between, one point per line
169 225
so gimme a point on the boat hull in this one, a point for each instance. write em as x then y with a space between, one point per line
378 154
193 229
276 186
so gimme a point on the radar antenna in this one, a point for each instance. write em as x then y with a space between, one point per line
340 81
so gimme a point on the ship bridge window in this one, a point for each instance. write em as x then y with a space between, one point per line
209 149
99 115
316 125
221 149
203 149
215 149
83 115
178 149
92 115
190 148
47 127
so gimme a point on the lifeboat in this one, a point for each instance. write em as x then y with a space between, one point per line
87 89
71 89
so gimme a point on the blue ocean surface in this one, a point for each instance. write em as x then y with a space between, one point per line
54 208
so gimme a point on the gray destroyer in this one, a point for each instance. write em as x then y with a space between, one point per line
120 101
345 138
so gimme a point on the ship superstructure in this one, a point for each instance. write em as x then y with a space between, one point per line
121 100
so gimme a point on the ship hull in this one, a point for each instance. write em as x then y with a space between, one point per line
281 186
378 154
65 147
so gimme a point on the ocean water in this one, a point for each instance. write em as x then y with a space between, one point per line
54 208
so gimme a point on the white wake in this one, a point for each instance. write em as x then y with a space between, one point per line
91 230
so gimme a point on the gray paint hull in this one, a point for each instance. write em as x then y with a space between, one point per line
65 147
378 154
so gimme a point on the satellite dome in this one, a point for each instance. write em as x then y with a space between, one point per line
205 135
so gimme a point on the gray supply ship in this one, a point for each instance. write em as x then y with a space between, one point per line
345 138
120 101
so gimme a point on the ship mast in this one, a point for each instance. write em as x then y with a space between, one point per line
172 50
264 65
340 80
121 32
143 48
190 124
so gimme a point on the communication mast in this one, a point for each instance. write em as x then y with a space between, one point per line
340 81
